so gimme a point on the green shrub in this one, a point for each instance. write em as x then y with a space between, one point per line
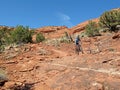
39 37
91 29
4 32
110 19
21 35
2 35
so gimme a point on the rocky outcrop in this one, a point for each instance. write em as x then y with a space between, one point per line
3 78
49 29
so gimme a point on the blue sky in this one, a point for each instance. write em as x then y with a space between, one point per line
39 13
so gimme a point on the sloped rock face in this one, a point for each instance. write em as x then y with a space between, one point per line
46 67
52 31
49 29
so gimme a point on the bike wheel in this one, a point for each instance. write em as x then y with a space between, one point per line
77 49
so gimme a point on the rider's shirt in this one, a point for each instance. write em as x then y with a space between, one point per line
77 40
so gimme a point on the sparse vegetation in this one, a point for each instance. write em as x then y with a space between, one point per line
110 19
92 29
54 42
66 38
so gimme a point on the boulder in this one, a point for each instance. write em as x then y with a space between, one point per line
3 79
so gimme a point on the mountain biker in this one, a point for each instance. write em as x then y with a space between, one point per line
78 44
77 40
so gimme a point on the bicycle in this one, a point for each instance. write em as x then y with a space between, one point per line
78 49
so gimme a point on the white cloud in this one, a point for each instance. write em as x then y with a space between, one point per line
65 19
